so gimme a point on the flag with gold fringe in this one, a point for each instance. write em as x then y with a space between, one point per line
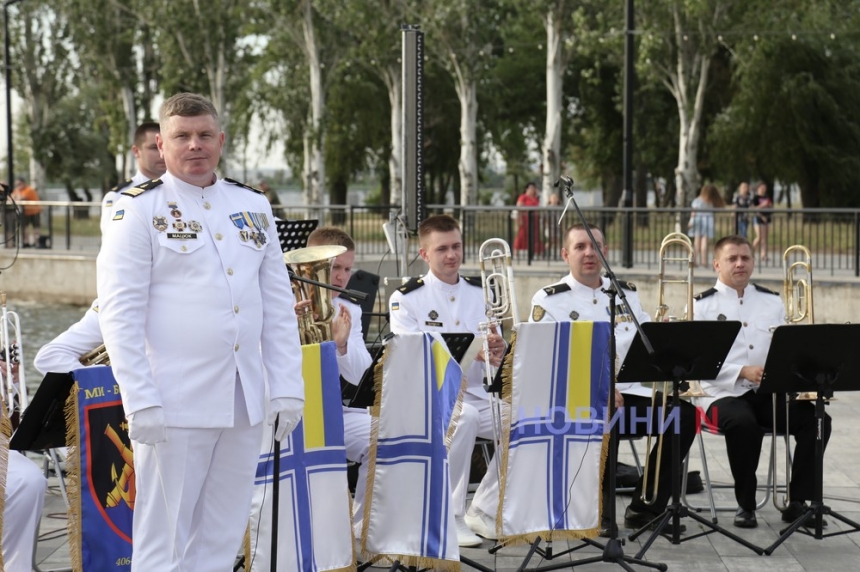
408 515
314 523
100 469
5 437
553 435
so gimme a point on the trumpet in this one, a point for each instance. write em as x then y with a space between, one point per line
313 264
15 387
669 254
500 300
797 297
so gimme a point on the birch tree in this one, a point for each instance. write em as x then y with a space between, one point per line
678 44
42 73
374 28
463 34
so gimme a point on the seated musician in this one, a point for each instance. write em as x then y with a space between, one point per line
352 355
444 301
579 296
740 412
24 500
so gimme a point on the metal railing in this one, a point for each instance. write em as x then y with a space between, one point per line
832 235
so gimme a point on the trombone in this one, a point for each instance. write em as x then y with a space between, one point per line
15 388
675 248
500 300
797 297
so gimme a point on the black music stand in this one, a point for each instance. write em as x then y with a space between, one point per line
683 351
293 234
43 425
818 358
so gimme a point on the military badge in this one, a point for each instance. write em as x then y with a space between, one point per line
179 225
160 223
395 306
721 318
433 314
195 226
538 313
574 315
118 215
174 210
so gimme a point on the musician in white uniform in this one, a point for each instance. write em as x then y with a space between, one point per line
24 501
580 296
63 353
444 301
195 303
352 355
150 166
740 412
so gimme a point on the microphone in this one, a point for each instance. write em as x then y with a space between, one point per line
567 185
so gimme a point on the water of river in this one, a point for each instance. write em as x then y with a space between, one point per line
41 323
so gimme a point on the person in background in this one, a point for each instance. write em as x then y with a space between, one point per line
702 221
271 194
195 304
528 221
150 165
30 218
761 222
741 203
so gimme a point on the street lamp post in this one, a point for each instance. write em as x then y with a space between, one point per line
9 150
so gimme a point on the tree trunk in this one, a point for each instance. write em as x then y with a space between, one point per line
467 93
316 170
394 82
551 147
128 106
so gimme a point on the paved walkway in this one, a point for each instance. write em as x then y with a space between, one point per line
710 553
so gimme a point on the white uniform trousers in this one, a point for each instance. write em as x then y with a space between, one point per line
25 498
194 496
476 420
356 438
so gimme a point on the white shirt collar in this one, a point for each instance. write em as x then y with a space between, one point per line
432 280
183 186
725 289
579 288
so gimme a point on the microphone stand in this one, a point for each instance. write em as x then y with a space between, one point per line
612 551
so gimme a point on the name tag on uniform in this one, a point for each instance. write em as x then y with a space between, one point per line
182 235
433 324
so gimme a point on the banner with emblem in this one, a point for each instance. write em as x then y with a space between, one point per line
100 474
556 381
408 515
314 522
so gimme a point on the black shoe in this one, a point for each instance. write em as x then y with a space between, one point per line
636 520
795 510
745 519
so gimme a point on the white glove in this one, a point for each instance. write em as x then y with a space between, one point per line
288 412
147 426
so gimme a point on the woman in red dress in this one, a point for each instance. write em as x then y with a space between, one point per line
529 199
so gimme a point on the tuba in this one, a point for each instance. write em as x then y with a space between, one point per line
313 264
15 381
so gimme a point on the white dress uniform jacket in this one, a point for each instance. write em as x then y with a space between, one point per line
113 195
571 300
62 354
193 289
758 311
356 360
437 306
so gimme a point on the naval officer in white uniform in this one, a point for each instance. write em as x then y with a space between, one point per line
195 304
150 166
444 301
740 412
580 296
